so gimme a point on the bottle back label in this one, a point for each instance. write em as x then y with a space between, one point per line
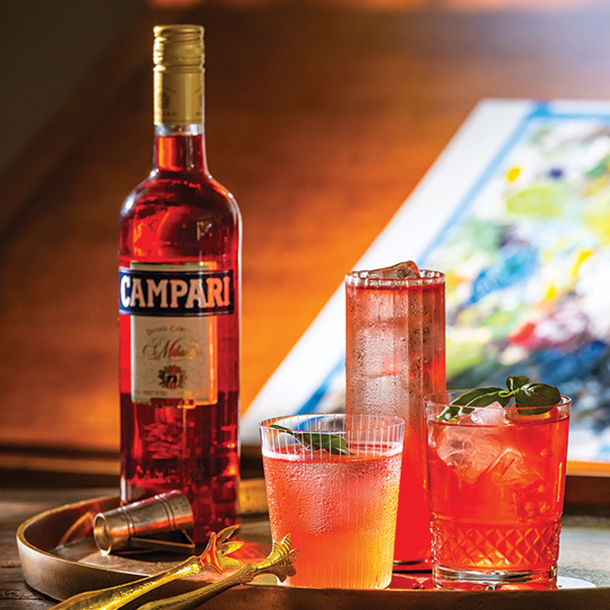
173 311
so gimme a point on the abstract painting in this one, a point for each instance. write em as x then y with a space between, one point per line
523 236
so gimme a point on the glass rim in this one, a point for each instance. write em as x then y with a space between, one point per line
331 437
441 399
384 422
363 278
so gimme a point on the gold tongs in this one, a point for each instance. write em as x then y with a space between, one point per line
215 556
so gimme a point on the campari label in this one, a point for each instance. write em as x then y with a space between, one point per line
173 311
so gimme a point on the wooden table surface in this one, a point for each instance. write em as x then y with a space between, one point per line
16 506
584 558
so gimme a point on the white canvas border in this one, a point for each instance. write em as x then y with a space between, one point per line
407 236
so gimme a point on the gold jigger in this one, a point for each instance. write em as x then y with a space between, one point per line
215 556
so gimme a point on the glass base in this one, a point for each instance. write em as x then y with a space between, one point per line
479 580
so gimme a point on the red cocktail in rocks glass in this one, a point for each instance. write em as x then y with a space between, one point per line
497 477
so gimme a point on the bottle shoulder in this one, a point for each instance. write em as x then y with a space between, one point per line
171 217
195 191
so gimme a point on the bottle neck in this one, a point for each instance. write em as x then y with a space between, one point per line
180 148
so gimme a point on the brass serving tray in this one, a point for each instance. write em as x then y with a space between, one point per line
60 559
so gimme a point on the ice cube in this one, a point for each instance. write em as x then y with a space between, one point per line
511 467
533 500
469 450
401 271
491 415
474 450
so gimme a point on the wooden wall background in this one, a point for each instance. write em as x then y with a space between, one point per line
321 118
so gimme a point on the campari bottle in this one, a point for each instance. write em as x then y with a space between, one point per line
179 278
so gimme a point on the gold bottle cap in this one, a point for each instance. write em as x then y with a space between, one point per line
178 47
178 56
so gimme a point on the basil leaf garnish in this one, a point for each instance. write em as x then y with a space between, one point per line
333 443
540 396
483 397
479 397
514 382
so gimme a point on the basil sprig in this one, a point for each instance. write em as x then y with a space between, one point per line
541 397
333 443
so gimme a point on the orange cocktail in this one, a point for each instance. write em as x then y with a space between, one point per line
339 506
497 477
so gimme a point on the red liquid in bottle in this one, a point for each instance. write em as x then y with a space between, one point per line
179 219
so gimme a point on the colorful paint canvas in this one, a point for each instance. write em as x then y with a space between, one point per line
516 213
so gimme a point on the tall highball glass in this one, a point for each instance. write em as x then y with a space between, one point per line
395 355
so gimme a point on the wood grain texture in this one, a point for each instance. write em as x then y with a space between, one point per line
16 506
